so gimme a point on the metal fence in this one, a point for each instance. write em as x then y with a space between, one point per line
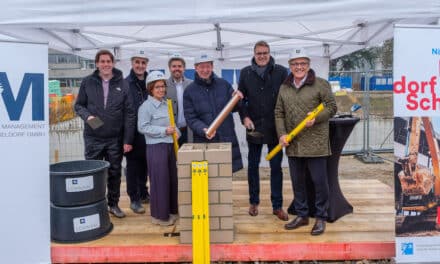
372 134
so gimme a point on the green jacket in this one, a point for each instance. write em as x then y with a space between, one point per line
292 107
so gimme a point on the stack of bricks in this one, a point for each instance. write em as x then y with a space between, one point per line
219 157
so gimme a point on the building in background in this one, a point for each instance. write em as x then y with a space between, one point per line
69 70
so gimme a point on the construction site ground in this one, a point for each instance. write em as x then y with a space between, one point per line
349 168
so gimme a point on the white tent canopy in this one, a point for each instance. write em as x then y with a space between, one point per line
227 29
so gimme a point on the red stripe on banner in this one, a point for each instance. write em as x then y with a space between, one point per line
226 252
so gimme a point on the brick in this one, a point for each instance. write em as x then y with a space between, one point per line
185 210
220 210
212 170
218 156
226 223
225 169
218 153
222 236
185 223
222 145
184 171
220 183
184 198
214 223
185 237
190 152
184 185
226 197
213 197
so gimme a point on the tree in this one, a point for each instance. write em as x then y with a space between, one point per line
365 59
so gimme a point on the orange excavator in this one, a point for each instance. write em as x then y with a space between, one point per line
420 184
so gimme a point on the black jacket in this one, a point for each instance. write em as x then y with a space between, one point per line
139 94
118 116
202 102
260 96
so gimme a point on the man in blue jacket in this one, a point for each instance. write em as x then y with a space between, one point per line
203 100
260 83
137 158
106 107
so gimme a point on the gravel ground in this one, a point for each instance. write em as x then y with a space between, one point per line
349 168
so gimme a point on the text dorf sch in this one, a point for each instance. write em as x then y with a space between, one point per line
421 95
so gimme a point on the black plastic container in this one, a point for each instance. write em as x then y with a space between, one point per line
80 182
79 223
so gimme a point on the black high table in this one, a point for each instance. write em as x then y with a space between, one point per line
340 129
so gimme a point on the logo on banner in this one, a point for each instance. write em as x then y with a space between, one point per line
407 248
14 105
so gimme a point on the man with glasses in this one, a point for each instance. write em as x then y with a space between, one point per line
176 84
105 105
302 92
136 172
260 83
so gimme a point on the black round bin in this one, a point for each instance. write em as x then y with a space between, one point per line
79 223
78 209
78 182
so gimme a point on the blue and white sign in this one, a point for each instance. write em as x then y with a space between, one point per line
24 155
416 148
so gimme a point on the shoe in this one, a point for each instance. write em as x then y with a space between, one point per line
116 211
318 227
146 199
297 222
253 209
281 214
137 207
168 222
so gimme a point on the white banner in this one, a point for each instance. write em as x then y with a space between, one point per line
416 133
24 153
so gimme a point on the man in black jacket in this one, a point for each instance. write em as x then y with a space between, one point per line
260 83
137 158
106 107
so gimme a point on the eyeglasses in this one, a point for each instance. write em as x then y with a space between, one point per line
160 87
262 53
299 64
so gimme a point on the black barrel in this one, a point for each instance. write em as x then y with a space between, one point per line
79 182
79 223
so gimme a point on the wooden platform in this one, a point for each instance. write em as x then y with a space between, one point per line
368 233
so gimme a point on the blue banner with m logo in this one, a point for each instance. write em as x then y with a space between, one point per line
14 105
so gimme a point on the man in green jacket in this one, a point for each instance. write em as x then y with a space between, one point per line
299 95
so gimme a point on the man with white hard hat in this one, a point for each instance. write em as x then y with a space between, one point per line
300 93
136 172
176 85
203 100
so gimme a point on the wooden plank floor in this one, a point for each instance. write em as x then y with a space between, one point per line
367 233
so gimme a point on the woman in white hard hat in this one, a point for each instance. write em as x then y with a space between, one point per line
154 124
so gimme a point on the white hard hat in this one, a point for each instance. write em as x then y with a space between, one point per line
176 56
154 76
203 58
298 53
140 54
